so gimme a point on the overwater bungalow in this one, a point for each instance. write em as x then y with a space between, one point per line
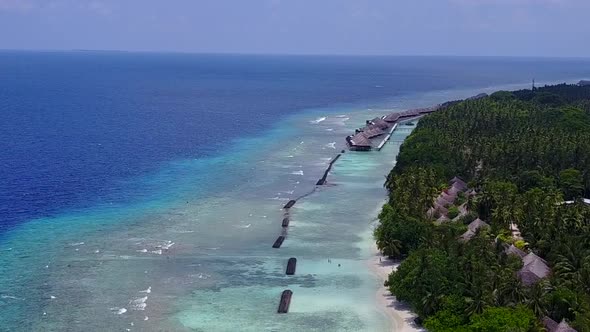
372 132
534 269
393 117
428 110
358 142
553 326
379 123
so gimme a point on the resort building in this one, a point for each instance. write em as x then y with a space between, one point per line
463 211
393 117
534 269
379 123
553 326
372 132
472 229
458 183
447 197
359 142
513 250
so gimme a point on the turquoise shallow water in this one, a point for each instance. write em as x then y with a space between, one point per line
199 256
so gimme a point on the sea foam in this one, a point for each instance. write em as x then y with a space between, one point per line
318 120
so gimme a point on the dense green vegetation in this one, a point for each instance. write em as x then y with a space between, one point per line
524 152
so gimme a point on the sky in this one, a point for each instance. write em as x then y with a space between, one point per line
558 28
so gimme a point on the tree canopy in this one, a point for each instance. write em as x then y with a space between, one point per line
523 154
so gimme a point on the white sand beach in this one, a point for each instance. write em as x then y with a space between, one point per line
402 318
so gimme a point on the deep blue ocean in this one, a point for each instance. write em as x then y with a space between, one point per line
83 129
142 192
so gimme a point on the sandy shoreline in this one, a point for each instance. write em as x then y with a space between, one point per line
402 318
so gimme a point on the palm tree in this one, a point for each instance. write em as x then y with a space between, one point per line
510 291
572 256
431 302
584 275
393 248
537 298
478 297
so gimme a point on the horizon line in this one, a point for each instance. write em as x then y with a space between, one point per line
81 50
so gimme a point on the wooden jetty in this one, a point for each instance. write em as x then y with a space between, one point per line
291 265
285 301
386 139
279 242
290 204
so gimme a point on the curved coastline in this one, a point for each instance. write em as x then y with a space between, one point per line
457 238
399 316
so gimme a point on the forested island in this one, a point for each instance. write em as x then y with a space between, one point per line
486 208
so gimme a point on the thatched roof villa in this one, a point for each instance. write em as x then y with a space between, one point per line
379 123
358 142
393 117
477 224
553 326
458 183
454 190
534 269
442 219
441 208
513 250
444 200
472 229
372 132
447 198
463 211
